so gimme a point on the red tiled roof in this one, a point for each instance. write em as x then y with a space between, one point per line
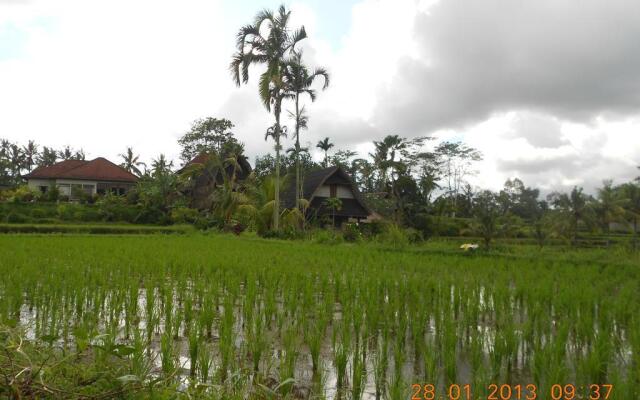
99 169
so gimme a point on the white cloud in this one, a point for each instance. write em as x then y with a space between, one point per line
106 75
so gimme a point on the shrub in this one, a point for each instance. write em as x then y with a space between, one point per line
22 194
52 194
414 236
65 212
326 236
16 218
38 213
351 232
184 215
394 236
374 228
206 222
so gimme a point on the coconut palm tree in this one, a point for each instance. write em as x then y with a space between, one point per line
30 152
325 145
16 161
631 194
609 207
131 162
300 82
575 207
272 46
161 166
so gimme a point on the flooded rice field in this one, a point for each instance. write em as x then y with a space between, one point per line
250 319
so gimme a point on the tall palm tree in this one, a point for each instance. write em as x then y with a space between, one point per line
30 152
161 165
575 207
16 161
273 47
300 82
631 194
325 146
609 207
384 157
131 162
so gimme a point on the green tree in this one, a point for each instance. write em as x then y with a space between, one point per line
325 145
631 205
131 162
268 41
574 208
47 157
300 82
456 160
486 211
609 205
161 166
208 135
30 152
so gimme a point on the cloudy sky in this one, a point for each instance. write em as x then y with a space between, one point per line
548 90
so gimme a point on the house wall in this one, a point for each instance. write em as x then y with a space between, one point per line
342 191
36 183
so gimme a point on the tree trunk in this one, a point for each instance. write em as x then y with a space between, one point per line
298 181
276 205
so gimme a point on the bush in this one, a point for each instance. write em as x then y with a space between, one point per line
374 228
16 218
351 232
184 215
22 194
51 195
327 236
65 212
38 213
206 222
394 236
414 236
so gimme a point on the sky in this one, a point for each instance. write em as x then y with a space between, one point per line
547 90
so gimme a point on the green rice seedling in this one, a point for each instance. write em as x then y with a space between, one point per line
194 347
205 361
381 364
313 338
341 344
140 364
167 354
358 375
288 363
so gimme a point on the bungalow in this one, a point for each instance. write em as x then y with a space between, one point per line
97 176
320 185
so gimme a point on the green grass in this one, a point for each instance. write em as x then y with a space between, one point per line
220 316
94 228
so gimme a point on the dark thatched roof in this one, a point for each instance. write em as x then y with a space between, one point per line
355 207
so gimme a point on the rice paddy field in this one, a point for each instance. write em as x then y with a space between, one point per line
214 316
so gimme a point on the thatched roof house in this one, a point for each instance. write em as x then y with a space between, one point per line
320 185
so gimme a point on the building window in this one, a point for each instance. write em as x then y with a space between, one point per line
333 190
88 189
43 189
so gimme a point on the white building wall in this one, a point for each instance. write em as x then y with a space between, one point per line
342 191
36 183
